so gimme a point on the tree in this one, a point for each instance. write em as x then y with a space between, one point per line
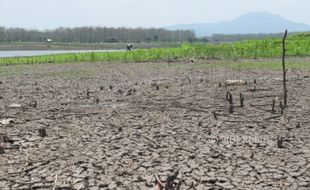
95 35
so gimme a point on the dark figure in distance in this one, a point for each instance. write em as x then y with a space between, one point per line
129 47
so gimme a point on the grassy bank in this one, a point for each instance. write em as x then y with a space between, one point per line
297 45
33 46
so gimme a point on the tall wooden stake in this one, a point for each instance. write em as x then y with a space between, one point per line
284 69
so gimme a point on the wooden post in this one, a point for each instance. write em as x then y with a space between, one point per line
230 100
87 94
284 69
231 108
241 100
229 97
282 107
273 105
214 114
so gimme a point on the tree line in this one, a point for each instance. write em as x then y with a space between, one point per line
95 35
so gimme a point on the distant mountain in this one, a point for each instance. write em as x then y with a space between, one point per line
251 23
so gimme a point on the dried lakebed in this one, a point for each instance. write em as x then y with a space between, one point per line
116 126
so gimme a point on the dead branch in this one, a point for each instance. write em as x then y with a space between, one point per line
284 70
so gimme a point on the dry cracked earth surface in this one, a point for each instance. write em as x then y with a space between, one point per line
121 126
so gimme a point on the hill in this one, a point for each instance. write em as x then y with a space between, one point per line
251 23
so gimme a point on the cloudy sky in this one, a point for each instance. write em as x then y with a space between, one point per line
43 14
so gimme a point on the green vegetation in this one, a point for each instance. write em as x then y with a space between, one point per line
297 45
11 46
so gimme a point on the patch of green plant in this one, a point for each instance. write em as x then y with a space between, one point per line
267 48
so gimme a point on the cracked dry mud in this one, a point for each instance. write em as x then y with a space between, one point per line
114 126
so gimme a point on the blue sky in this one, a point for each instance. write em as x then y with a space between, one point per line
43 14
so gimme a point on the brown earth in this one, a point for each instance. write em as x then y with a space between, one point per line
116 126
